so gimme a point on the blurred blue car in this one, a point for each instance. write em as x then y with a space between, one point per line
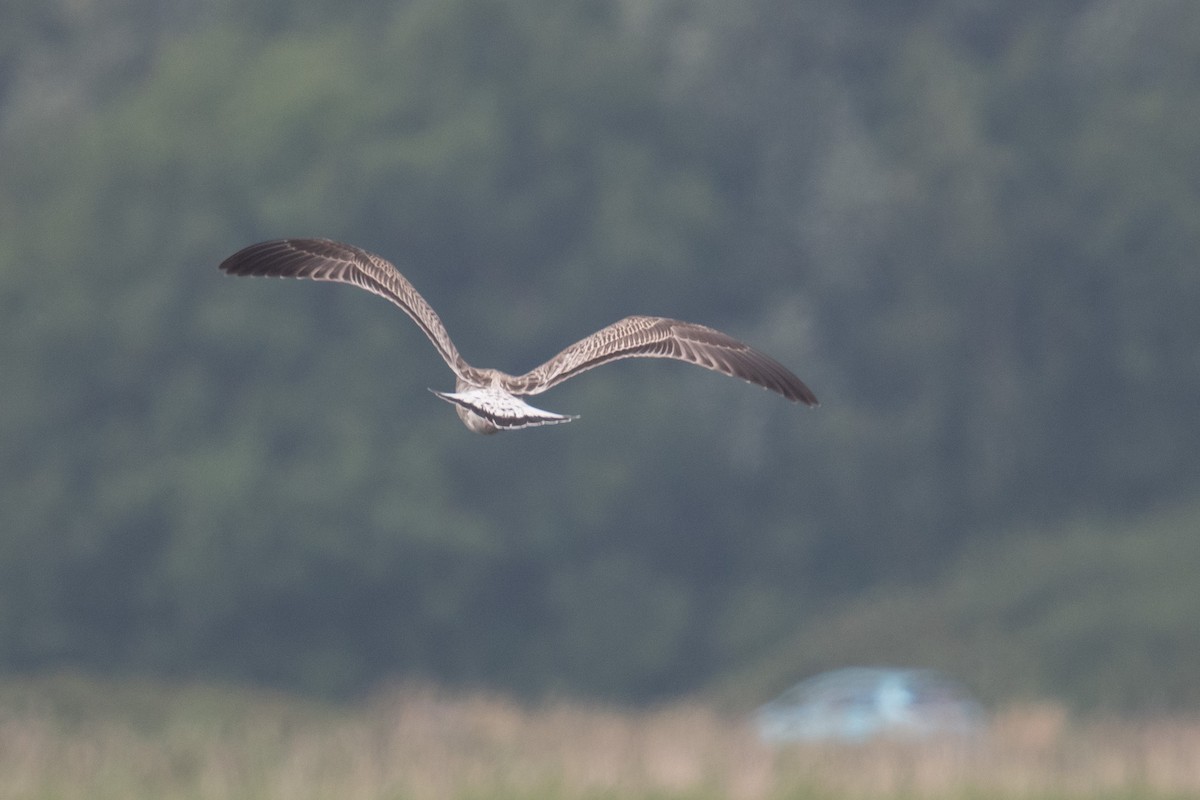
861 703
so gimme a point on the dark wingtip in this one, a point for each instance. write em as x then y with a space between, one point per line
784 381
247 261
805 395
280 258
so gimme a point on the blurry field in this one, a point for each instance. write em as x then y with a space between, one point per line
73 738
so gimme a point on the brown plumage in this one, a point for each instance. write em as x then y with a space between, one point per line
485 398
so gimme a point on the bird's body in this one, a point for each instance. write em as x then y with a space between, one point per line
488 400
482 407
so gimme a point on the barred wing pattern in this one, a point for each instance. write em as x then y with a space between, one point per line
659 337
326 260
486 399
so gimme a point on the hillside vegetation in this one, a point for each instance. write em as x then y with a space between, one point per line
1100 614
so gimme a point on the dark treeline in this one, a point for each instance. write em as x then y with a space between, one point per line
971 230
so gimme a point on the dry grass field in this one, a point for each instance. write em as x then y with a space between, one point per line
73 738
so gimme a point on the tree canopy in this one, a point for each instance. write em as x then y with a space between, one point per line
971 230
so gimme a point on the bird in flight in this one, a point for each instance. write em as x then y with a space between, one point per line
488 400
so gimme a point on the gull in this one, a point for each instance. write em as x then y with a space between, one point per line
488 400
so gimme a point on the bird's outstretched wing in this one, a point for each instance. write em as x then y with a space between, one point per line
325 260
658 337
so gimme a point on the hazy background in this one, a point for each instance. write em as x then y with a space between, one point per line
971 227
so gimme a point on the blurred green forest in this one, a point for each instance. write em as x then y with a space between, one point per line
970 227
